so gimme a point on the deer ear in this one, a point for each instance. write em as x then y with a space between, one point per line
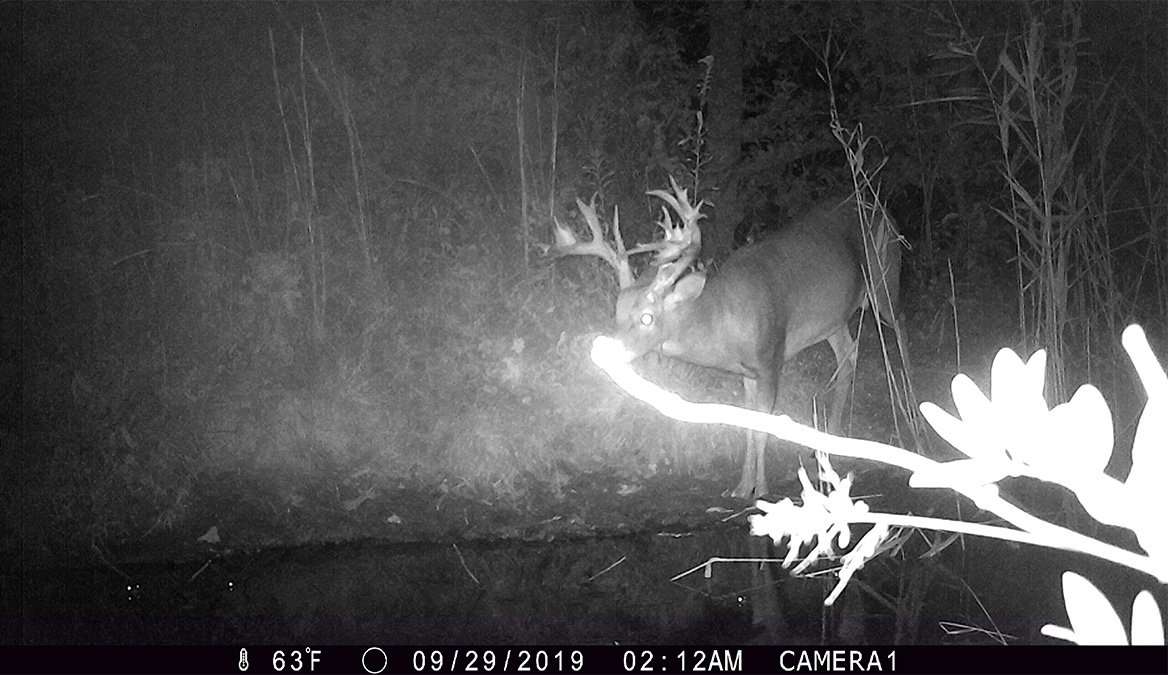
687 289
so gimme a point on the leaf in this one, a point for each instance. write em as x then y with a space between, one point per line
211 536
1081 433
1147 626
1093 620
866 549
1152 375
1011 379
1007 64
968 438
940 544
972 405
1145 483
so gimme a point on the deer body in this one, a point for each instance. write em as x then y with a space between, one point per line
768 302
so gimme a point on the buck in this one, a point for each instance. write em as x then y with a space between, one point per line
768 302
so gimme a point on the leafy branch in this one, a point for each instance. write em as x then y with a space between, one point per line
1013 432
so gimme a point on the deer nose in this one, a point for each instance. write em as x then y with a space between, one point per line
611 349
635 342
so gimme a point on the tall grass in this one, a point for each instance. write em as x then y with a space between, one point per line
1059 168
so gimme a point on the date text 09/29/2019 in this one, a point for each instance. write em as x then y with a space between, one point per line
654 660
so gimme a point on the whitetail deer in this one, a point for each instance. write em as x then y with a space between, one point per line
768 301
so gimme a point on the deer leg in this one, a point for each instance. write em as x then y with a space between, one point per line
760 396
844 346
745 489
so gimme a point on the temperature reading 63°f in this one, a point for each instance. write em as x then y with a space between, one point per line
296 660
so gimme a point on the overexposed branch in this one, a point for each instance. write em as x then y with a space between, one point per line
611 356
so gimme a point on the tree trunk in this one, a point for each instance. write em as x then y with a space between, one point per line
724 109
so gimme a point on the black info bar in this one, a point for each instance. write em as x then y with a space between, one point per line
586 659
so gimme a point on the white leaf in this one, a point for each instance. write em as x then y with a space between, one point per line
1081 433
972 405
1016 387
1093 620
1145 483
968 438
1147 627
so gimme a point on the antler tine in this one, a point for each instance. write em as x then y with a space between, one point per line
666 222
567 243
616 233
658 245
679 202
670 271
589 212
682 240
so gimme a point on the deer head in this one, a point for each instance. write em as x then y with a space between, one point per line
648 313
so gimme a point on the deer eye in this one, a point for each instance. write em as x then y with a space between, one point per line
647 319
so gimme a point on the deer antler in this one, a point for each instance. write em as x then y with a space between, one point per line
682 241
615 254
567 243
